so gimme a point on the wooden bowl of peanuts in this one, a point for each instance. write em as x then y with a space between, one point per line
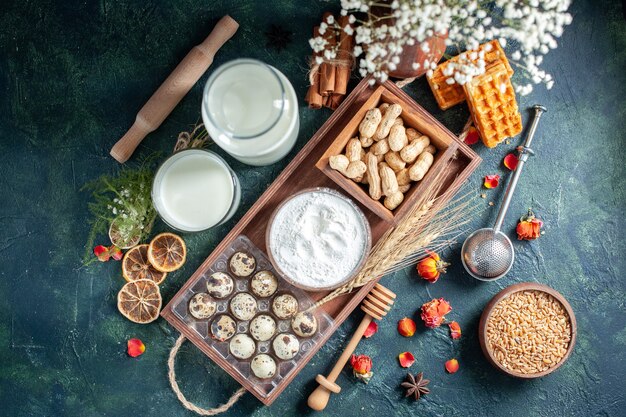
389 150
527 330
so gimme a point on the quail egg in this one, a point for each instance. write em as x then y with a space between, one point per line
243 306
264 284
220 285
304 324
202 306
285 306
286 346
242 346
263 366
262 327
223 328
242 264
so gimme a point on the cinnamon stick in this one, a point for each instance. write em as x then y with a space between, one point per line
346 42
334 101
327 70
313 97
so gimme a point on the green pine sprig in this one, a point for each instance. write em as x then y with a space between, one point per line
124 199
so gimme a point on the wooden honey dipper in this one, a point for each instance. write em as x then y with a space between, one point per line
174 88
376 305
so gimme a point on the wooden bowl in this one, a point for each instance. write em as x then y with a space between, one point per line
525 286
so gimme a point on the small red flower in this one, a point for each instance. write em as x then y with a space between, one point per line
455 330
491 181
529 227
452 366
115 252
431 267
472 136
371 330
510 161
135 348
406 359
362 367
406 327
361 364
434 312
102 253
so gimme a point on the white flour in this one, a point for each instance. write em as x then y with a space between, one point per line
317 239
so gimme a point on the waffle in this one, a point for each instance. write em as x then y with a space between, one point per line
448 95
491 100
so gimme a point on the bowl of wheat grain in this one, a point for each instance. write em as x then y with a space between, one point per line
527 330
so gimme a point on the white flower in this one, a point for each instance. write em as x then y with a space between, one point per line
531 26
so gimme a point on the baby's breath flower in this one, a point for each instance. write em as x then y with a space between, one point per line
532 26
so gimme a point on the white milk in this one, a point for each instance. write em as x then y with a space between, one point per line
251 111
194 190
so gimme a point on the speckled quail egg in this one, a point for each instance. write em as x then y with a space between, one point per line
262 327
285 306
304 324
286 346
223 327
243 306
264 284
242 264
202 306
242 346
263 366
220 285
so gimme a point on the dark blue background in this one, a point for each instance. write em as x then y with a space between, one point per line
73 75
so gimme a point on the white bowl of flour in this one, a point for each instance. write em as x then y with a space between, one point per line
318 239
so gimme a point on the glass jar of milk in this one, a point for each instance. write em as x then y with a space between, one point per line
194 190
250 110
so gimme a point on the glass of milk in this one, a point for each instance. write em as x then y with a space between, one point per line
251 111
194 190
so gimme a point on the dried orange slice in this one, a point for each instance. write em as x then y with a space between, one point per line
167 252
140 301
122 235
136 265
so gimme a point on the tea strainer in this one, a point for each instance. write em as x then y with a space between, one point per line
487 254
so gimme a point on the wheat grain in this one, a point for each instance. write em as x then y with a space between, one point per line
528 332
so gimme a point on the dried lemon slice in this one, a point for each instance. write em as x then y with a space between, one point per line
140 301
167 252
136 265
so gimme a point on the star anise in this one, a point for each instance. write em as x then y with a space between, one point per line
415 385
277 37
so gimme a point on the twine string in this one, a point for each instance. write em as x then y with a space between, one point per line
171 375
345 61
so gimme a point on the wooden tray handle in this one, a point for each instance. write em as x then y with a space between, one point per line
171 375
174 88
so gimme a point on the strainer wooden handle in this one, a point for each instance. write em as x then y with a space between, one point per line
174 88
376 305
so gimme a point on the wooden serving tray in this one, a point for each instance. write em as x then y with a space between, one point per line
302 173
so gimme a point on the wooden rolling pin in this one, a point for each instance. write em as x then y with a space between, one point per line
174 88
376 305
